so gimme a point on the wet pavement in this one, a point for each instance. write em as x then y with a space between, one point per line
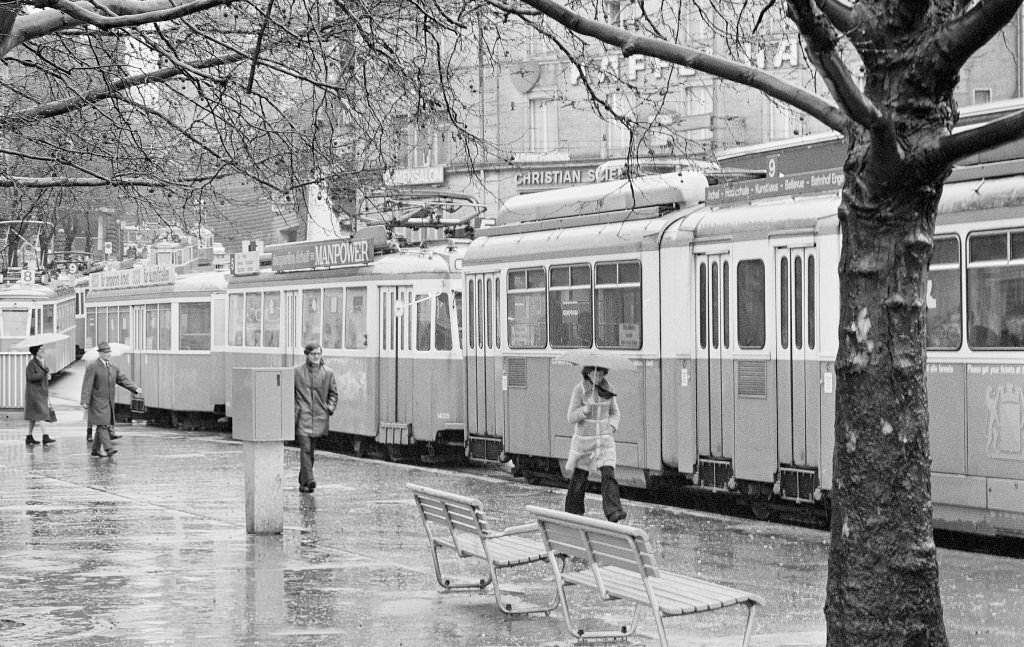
149 548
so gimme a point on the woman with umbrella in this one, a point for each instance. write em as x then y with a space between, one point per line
37 395
594 412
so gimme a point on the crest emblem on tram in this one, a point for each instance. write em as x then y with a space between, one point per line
1005 404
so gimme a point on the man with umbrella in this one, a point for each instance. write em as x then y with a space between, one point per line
98 397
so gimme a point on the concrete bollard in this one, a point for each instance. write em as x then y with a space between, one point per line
262 417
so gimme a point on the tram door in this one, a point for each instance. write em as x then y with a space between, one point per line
291 328
483 364
796 372
395 378
713 374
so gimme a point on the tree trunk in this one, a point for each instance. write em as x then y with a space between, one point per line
883 575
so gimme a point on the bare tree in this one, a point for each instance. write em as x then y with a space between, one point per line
155 103
898 125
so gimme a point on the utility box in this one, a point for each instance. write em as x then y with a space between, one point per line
263 404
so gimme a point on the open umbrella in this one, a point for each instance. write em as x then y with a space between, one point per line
116 350
39 340
591 357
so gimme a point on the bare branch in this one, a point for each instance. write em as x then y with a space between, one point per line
968 142
820 38
632 44
58 181
960 38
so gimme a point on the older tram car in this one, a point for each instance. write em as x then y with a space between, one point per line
174 325
28 308
389 321
729 315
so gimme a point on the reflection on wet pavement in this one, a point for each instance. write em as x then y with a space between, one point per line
149 548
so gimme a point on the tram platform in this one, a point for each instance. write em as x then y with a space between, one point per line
149 548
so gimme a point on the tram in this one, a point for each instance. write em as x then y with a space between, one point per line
728 312
389 320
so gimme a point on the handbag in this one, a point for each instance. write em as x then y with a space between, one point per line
51 415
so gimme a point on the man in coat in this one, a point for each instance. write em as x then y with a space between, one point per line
316 396
98 398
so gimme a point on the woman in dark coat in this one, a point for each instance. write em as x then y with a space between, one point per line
316 396
37 395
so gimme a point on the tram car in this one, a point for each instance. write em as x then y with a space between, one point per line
174 325
30 308
389 319
728 312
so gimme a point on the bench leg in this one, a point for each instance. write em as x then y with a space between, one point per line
510 608
449 584
750 623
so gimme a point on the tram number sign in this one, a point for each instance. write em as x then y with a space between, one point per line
28 276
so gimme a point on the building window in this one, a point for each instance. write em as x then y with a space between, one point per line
543 125
423 146
618 133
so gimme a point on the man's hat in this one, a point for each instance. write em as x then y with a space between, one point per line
104 347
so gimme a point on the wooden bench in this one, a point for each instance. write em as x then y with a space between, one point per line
621 566
458 523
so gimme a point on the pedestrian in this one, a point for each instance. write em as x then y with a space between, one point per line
594 412
37 395
98 385
316 396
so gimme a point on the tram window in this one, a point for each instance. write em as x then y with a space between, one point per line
311 315
497 312
271 319
995 293
101 325
113 322
253 318
333 307
798 302
750 304
490 312
810 302
617 304
703 325
355 319
714 305
784 302
47 318
481 318
194 326
423 303
90 328
458 317
526 309
725 304
472 312
14 323
442 323
945 319
158 327
236 319
570 312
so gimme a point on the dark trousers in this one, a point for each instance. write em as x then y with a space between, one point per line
610 502
306 446
101 438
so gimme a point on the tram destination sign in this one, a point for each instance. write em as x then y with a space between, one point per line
320 255
826 181
136 277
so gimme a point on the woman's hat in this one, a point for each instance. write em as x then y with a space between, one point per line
104 347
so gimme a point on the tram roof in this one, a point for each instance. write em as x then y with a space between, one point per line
35 291
604 238
663 190
415 262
